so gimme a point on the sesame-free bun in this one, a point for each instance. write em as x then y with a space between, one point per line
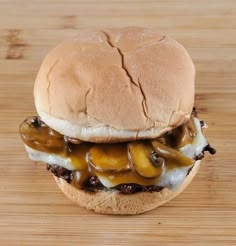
115 85
112 202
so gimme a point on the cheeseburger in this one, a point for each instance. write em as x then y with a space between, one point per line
116 122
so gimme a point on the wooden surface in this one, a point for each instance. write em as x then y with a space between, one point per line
32 209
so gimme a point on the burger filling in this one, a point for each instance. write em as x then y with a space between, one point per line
128 167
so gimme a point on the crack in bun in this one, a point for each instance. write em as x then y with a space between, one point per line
115 85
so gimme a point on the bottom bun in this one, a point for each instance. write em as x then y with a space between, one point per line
113 202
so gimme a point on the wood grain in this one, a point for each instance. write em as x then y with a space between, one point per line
32 209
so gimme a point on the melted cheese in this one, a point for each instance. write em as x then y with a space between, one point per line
171 177
199 142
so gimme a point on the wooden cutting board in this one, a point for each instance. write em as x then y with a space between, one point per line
32 209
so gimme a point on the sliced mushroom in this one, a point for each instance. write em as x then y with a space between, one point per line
142 158
39 136
109 157
171 154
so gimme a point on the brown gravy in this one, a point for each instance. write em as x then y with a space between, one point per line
113 162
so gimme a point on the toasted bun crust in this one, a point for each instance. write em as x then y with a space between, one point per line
115 84
111 202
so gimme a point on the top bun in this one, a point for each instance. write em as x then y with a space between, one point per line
115 85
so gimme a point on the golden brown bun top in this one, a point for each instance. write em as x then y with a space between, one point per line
130 82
